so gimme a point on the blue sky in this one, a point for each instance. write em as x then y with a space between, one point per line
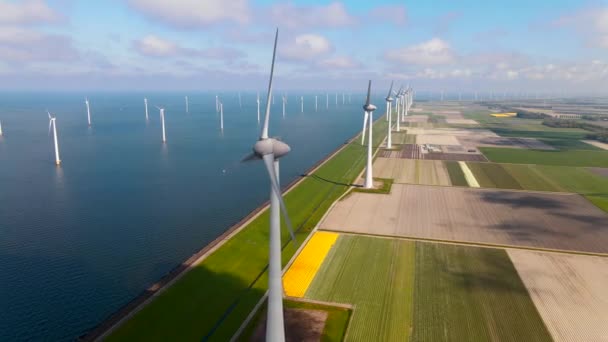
540 45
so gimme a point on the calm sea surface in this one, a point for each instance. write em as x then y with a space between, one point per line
79 241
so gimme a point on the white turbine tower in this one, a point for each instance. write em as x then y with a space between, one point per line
146 107
389 100
53 123
316 102
162 122
187 107
221 116
336 99
398 111
369 113
258 102
302 104
326 100
1 133
284 102
270 150
217 104
86 102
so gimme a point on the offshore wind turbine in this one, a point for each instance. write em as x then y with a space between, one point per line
336 99
217 104
1 133
284 102
326 100
53 123
162 122
258 102
146 108
270 150
302 104
369 112
389 100
187 109
316 102
86 102
221 116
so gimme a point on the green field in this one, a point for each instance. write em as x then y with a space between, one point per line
456 175
570 144
405 290
400 138
563 158
491 175
471 294
214 297
376 276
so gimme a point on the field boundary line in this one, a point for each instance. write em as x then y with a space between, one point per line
470 243
468 175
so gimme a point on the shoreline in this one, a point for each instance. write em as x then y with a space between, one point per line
114 320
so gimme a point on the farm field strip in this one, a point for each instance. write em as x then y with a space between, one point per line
468 175
471 294
556 221
375 276
589 158
301 273
429 172
569 292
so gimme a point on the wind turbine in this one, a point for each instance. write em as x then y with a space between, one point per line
270 150
336 99
162 121
187 109
1 133
221 116
217 104
53 123
398 96
369 112
302 104
342 98
86 102
258 101
146 107
284 102
316 102
326 100
389 99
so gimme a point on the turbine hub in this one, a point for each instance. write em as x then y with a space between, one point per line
369 107
271 146
389 99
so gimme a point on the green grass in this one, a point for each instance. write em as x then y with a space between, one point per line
601 201
456 175
491 175
226 283
335 324
376 276
471 294
570 144
561 158
387 184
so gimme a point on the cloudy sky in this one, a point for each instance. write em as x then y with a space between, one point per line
511 45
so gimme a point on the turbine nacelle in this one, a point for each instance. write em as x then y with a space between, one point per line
271 146
369 107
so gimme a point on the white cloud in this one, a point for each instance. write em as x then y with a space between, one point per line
291 16
306 47
432 52
194 13
339 62
23 45
155 46
591 24
152 45
26 12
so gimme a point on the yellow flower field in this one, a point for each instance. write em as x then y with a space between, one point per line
301 273
504 115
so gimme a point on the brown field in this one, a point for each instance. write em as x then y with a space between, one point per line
436 139
514 218
600 171
455 156
458 132
450 152
429 172
416 118
569 292
479 141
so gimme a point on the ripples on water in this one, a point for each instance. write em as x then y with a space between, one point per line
79 241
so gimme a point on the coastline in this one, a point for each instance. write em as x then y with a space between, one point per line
115 320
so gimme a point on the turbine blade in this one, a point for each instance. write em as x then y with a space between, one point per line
250 157
365 118
390 90
50 123
268 162
264 134
369 90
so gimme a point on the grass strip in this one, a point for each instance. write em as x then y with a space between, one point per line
457 177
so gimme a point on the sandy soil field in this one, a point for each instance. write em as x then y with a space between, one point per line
478 141
452 131
597 144
517 218
416 118
429 172
569 292
461 121
436 139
